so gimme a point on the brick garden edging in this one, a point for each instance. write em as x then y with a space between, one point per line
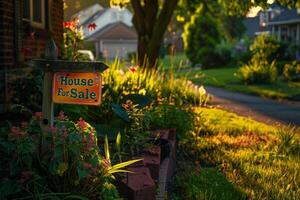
152 174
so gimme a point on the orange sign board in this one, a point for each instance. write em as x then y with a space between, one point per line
77 88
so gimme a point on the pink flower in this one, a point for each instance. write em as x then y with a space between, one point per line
86 165
32 35
16 132
81 123
38 115
25 176
61 116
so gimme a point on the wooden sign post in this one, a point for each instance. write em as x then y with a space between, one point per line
68 82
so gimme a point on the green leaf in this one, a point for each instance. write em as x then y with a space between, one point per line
8 188
120 112
141 100
118 167
82 173
58 151
106 148
73 137
5 128
118 142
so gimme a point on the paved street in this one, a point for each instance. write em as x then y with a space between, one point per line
260 109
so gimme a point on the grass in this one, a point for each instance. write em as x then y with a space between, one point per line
226 78
178 61
232 157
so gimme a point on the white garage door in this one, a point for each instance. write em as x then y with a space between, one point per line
118 48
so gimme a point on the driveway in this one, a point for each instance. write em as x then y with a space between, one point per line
260 109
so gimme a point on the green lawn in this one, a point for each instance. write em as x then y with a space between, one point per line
232 157
178 61
226 78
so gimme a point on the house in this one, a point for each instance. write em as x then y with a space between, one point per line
26 26
114 35
259 24
286 28
114 40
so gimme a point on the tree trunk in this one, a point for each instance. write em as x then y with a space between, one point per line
151 23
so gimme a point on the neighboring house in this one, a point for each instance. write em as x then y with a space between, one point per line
114 40
114 34
26 26
286 27
259 24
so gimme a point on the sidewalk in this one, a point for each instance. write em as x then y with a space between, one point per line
260 109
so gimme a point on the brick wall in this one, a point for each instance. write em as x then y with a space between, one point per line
29 46
33 47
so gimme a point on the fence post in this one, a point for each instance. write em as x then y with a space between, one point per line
48 106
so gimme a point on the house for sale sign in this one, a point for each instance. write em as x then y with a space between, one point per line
77 88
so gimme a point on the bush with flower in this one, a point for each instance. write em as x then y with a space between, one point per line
60 161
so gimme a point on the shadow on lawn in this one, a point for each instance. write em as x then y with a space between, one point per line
206 183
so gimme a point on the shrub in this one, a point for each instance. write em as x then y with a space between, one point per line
201 36
57 162
291 71
261 68
258 72
224 53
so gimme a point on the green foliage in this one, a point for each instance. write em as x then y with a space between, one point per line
26 88
206 183
73 38
61 161
201 35
257 71
170 116
260 69
291 71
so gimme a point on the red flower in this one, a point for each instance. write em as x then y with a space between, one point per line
133 69
32 35
92 26
27 51
16 132
81 123
69 25
38 115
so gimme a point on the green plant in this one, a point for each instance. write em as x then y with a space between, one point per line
262 66
288 144
201 36
61 161
73 39
291 71
26 88
258 71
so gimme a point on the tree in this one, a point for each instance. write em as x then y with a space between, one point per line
151 19
201 36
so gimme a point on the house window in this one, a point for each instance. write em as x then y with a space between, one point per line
34 12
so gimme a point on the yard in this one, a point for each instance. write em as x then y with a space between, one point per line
231 157
143 126
227 78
